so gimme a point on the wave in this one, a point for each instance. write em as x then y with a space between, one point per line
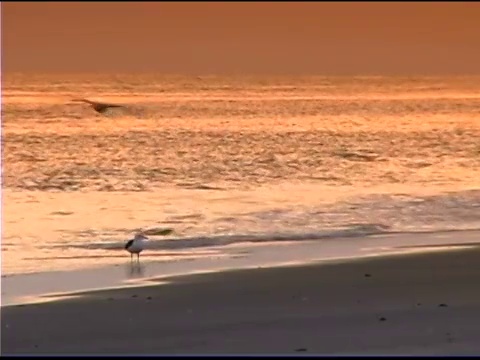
195 242
376 214
355 230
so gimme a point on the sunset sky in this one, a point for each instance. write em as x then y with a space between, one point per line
263 37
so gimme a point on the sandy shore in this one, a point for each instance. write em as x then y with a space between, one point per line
411 304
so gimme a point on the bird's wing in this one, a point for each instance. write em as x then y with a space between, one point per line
128 244
85 101
97 103
113 105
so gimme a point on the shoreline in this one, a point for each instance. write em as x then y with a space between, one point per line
424 303
82 235
45 286
158 280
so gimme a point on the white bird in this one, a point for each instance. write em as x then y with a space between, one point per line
136 246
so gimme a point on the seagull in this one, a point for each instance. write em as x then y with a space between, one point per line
136 245
98 106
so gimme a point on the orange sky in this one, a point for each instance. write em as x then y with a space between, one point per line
249 37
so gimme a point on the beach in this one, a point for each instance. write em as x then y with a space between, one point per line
423 304
284 191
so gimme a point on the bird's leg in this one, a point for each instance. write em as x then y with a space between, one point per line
138 258
131 257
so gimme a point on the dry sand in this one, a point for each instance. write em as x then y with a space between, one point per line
426 304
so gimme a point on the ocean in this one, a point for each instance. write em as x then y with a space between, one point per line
225 161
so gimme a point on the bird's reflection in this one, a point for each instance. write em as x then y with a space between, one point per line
135 270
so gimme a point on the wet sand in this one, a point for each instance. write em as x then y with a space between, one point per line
426 304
